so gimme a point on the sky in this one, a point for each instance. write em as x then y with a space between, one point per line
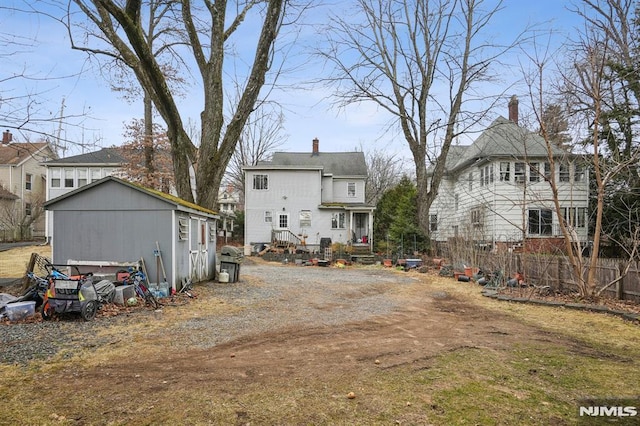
46 58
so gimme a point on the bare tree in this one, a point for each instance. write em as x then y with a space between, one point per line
208 30
420 61
384 172
261 136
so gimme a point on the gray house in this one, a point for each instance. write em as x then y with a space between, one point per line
112 221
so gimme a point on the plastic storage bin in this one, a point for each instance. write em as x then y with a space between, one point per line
20 310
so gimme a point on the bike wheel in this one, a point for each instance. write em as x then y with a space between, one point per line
151 300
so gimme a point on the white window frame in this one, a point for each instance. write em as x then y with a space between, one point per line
68 177
338 220
56 180
505 171
268 216
351 189
260 182
28 181
283 221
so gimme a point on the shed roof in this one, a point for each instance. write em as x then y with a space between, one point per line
335 163
178 202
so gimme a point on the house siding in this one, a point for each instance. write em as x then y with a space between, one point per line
503 206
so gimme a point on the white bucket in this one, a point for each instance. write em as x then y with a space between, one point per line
224 276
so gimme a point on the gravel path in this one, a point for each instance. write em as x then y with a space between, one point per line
271 297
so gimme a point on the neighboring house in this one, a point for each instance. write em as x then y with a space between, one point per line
496 191
22 187
112 221
229 201
299 199
67 174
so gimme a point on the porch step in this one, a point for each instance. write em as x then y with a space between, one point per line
364 259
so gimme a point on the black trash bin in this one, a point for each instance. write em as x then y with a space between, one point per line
230 259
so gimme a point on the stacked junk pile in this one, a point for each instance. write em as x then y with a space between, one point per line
230 260
53 290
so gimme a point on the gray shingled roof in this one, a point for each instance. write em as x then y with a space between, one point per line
502 139
336 163
104 156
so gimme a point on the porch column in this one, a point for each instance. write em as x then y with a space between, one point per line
370 234
350 236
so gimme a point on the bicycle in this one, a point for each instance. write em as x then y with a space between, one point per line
137 278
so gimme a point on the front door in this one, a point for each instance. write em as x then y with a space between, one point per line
361 227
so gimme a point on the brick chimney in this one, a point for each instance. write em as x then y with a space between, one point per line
316 146
7 137
513 109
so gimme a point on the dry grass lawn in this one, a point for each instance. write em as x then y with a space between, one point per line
495 363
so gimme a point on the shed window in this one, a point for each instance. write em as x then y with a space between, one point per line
212 232
183 229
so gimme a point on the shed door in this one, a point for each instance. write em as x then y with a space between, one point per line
198 249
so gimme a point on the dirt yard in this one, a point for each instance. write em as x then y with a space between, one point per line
308 345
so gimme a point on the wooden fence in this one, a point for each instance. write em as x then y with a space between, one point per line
556 272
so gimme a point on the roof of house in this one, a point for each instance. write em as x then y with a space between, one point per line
5 194
104 156
15 153
502 139
178 202
335 163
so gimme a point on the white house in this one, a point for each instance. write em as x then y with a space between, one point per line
67 174
496 191
306 199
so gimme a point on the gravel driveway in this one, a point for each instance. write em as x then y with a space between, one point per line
272 297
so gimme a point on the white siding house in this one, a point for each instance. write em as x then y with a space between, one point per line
309 197
496 191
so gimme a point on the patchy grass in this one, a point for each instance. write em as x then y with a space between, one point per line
14 262
531 382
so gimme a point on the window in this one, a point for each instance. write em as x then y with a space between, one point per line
183 228
283 220
486 175
68 178
95 175
470 181
351 189
456 201
575 216
534 172
519 172
547 172
82 177
261 182
55 178
268 217
338 220
477 218
433 222
505 174
27 209
27 181
305 218
540 221
578 173
564 172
